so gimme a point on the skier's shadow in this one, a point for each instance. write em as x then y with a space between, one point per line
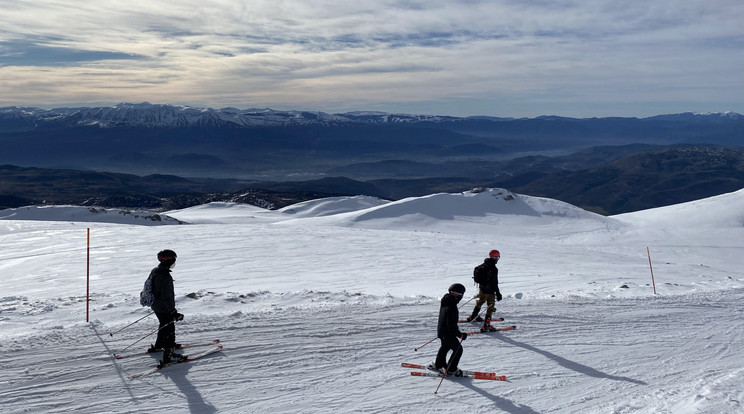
196 402
176 373
501 403
109 352
572 365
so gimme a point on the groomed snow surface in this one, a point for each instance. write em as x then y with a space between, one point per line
319 303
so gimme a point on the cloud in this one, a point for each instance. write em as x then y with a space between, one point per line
31 53
338 55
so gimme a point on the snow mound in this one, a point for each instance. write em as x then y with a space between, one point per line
332 205
708 221
449 206
87 214
448 212
550 207
223 213
476 203
467 211
722 211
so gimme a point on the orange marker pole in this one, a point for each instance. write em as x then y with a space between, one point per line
87 288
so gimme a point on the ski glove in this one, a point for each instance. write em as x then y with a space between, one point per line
177 316
498 297
464 336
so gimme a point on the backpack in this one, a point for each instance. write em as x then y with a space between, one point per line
480 275
146 296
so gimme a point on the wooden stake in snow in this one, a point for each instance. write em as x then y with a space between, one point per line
652 269
87 278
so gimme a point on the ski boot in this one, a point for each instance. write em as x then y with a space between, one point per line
433 367
169 357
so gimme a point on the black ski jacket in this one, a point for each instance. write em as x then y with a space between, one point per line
491 272
448 316
162 289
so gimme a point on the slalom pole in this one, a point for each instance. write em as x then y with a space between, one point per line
446 370
652 269
112 333
156 330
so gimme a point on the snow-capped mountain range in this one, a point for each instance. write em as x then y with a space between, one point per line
149 115
160 115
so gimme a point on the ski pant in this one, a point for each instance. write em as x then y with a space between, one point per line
487 298
167 333
450 343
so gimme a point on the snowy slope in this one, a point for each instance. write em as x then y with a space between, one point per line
332 205
86 214
317 305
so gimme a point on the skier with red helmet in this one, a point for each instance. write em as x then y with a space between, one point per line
486 275
449 333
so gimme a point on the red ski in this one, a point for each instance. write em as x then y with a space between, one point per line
470 374
506 328
490 320
189 358
184 346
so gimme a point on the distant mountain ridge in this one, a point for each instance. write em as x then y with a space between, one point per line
171 116
262 144
166 156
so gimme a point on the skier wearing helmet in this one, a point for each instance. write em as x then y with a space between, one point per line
486 275
164 307
449 333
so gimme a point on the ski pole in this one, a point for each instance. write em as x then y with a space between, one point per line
156 330
416 349
446 370
112 333
460 307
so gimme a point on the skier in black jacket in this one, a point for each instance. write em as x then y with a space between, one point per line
487 276
164 306
449 333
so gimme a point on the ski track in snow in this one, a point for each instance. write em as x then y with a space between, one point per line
345 357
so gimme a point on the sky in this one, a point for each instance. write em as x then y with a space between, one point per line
578 58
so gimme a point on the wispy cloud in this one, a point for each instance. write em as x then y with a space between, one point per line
38 53
579 58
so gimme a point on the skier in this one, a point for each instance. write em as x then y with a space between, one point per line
449 333
164 307
486 275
